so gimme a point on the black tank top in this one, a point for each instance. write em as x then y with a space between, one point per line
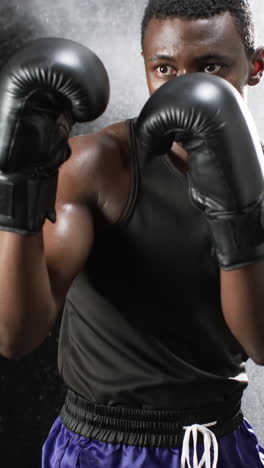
142 325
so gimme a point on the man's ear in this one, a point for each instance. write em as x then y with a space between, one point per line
256 66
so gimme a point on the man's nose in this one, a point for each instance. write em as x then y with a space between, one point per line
182 71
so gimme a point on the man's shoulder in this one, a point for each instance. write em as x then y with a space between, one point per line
108 144
99 161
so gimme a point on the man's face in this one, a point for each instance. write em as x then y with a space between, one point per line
177 46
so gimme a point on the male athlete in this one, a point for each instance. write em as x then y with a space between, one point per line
156 330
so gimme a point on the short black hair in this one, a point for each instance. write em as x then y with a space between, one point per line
194 9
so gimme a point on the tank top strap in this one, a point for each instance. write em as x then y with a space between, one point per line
134 171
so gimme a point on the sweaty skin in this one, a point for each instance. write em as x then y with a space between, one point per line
41 268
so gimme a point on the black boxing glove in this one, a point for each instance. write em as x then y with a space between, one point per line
44 89
226 173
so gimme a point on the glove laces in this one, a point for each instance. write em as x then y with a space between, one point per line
209 440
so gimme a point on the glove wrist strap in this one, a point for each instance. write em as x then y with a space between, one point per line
25 202
238 239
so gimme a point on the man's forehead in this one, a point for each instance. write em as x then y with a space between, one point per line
216 31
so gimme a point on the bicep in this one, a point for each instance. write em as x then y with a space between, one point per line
68 241
67 245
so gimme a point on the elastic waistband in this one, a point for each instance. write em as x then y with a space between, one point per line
144 427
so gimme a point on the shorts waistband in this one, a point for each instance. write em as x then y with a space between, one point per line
144 427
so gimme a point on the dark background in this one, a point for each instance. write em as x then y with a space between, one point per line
31 392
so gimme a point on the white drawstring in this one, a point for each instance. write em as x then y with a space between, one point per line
208 439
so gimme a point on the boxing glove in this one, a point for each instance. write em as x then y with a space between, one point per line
209 117
44 89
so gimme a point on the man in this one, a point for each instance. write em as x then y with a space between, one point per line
154 336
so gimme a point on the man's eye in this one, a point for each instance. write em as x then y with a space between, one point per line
166 70
212 68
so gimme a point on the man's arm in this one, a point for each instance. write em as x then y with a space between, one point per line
37 270
242 296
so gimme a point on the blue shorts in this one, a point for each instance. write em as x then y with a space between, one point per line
65 449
